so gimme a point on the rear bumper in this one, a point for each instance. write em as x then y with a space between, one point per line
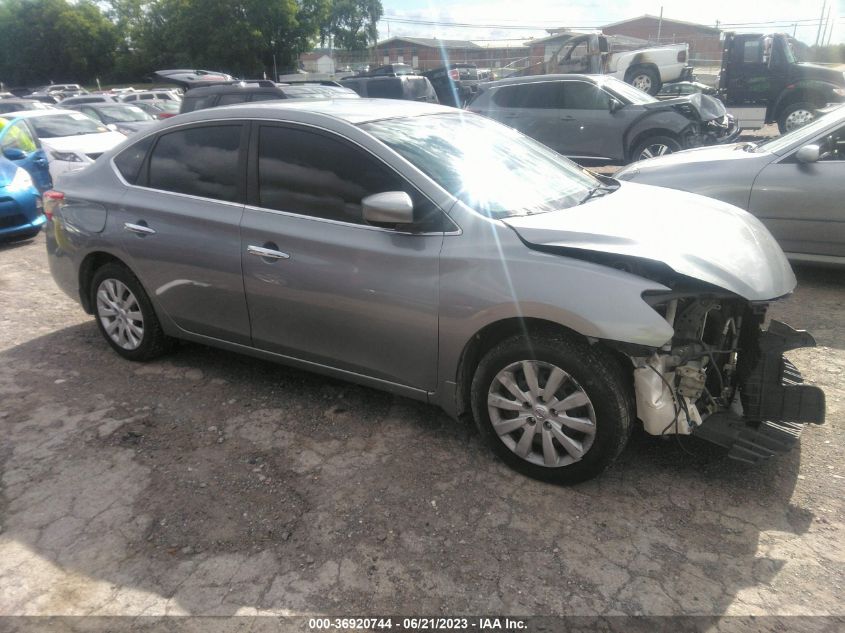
20 212
773 404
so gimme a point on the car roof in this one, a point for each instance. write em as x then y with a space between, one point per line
231 87
530 79
353 111
31 114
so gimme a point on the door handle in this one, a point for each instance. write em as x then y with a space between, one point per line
139 229
567 118
269 253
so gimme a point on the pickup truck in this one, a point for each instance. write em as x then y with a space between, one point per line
624 58
761 81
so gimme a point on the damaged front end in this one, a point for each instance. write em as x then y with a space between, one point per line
713 124
724 378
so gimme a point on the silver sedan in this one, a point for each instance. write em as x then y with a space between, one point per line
793 184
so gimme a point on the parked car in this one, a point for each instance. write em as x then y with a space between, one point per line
159 109
118 117
317 91
187 78
597 118
70 140
407 87
230 92
48 99
455 84
491 275
59 91
150 95
20 146
89 98
19 105
389 70
20 203
792 183
683 88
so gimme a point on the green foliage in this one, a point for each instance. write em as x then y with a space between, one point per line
832 54
58 40
43 40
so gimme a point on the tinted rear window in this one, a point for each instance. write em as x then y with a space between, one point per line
129 161
199 161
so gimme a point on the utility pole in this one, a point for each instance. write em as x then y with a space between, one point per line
660 24
821 20
826 21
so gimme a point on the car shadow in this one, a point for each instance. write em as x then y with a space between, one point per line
211 483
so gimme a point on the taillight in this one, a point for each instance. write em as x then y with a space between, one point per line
455 74
53 201
165 115
682 56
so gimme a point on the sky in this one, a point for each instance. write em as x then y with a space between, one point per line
490 17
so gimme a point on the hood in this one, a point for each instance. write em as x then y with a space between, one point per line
695 236
698 107
804 71
730 152
85 143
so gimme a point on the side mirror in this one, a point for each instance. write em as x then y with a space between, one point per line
615 105
14 153
391 207
808 154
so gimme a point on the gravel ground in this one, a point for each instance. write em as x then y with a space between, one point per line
210 483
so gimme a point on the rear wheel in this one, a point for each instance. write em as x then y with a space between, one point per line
646 79
655 146
125 316
795 115
552 408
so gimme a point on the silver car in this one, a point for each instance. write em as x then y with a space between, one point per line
793 184
444 257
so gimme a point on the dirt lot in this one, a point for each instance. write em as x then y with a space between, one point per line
209 483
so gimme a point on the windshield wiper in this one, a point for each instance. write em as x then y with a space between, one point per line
595 191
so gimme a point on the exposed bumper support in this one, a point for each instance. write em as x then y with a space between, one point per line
775 403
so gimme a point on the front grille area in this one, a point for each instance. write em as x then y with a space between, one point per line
8 221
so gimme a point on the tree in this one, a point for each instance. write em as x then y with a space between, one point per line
44 40
352 24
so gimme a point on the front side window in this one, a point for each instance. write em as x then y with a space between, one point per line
199 161
580 95
312 174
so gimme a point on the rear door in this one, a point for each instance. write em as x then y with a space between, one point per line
801 204
335 290
535 109
179 222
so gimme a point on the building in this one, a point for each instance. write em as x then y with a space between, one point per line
704 41
317 62
428 53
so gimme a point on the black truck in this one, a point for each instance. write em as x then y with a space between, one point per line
761 81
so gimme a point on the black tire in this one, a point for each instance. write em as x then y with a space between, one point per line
670 144
590 370
645 78
793 111
153 342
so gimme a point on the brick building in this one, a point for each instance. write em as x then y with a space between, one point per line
428 53
704 42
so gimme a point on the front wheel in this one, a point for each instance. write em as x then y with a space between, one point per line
655 146
552 408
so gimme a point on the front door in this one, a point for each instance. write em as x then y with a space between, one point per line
19 145
323 285
180 228
749 80
801 204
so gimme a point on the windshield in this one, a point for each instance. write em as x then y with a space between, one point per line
804 133
626 91
59 125
492 168
122 114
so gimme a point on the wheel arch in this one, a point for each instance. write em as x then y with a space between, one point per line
493 333
646 133
89 266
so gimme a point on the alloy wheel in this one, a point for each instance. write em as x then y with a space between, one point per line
797 119
655 149
120 314
541 413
